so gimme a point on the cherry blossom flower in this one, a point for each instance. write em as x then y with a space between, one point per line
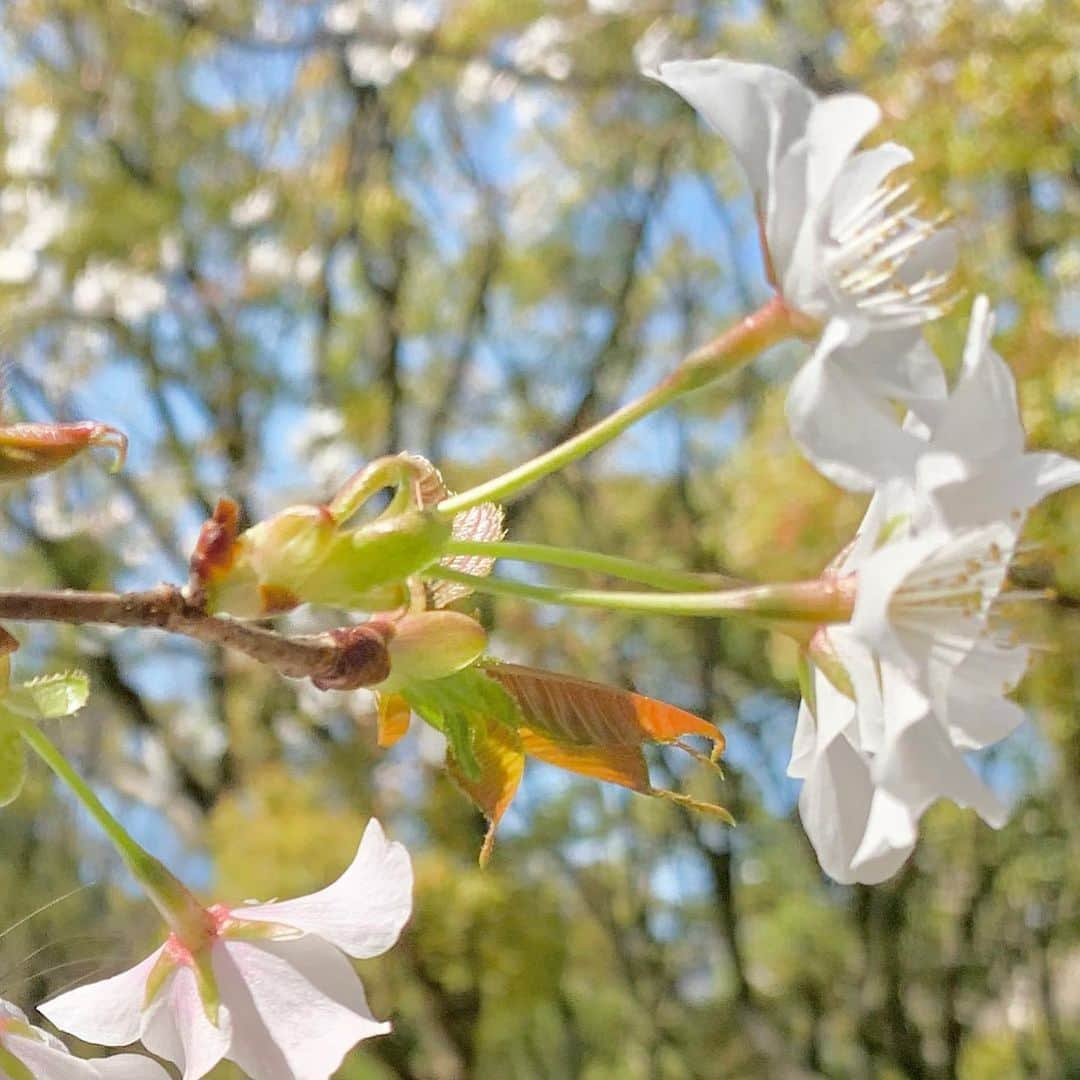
920 673
27 1049
840 239
872 766
269 987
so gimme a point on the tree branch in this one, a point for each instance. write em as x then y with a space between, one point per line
341 659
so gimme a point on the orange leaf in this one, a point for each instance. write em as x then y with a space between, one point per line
623 765
499 754
590 714
394 714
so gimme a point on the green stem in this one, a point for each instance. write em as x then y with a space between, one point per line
725 354
817 601
170 896
610 565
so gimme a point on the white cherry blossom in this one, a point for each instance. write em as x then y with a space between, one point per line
842 239
926 661
45 1057
270 988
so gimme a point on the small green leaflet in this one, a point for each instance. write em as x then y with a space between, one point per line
49 697
459 705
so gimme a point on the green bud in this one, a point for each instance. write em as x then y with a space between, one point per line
367 565
302 556
432 645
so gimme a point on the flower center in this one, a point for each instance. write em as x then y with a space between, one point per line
872 245
218 918
961 590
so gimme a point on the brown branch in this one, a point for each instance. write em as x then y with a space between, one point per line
341 659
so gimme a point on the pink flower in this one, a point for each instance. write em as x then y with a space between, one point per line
268 987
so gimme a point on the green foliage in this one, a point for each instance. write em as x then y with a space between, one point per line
49 697
458 706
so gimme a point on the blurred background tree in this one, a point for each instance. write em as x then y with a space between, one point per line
272 239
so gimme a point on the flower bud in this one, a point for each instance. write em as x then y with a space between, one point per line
303 556
432 645
32 449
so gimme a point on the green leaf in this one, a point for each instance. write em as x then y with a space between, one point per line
12 762
50 697
458 706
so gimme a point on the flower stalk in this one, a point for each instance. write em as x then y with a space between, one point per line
725 354
643 573
184 914
802 603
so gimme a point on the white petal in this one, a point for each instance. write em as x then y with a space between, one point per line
759 110
977 712
804 177
982 420
967 495
785 227
363 912
10 1011
935 255
47 1062
836 125
297 1007
975 723
107 1012
860 178
834 804
862 668
897 365
175 1026
890 837
848 434
879 578
920 765
803 744
128 1067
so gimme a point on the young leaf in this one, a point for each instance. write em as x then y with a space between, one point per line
49 697
458 706
394 716
585 713
500 762
624 765
470 694
483 522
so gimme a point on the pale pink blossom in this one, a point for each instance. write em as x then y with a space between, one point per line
269 988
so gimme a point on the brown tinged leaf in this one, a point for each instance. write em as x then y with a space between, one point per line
500 755
622 765
587 713
32 449
583 727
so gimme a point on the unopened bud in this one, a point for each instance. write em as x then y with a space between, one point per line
32 449
432 645
303 556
